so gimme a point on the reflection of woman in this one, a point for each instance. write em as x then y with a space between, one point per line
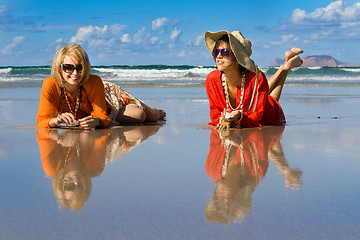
239 94
71 158
237 161
74 96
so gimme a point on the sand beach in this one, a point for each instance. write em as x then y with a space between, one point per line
180 179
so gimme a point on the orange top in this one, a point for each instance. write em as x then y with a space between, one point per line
92 102
92 154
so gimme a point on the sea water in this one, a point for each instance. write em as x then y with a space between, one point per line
178 76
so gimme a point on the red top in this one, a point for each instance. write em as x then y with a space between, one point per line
92 102
250 149
259 108
251 153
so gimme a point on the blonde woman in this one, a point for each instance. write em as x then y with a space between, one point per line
73 96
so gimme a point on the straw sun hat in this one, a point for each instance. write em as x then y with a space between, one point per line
240 46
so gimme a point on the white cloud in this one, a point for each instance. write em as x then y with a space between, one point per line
140 36
182 53
125 38
15 42
162 24
288 39
159 24
175 34
334 21
199 40
154 40
335 13
95 36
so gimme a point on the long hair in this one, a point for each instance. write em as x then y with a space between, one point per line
74 51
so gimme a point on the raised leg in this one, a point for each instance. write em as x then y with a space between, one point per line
277 81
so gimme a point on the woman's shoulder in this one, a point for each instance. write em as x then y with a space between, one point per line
260 76
94 80
50 83
213 75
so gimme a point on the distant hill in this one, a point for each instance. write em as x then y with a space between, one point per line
317 61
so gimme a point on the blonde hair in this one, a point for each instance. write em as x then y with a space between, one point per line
74 51
80 195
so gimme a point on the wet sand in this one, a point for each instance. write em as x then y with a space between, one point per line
181 180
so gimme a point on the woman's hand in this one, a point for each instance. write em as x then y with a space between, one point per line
89 122
223 123
223 126
67 118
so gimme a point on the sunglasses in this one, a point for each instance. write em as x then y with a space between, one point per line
224 52
69 68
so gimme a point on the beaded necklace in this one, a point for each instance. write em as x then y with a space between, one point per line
77 105
226 91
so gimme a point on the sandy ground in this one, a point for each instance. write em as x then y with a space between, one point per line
181 180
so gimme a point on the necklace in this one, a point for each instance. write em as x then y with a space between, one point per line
226 91
77 105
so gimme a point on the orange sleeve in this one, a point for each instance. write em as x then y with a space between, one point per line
50 153
96 94
49 103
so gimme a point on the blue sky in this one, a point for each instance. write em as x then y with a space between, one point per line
116 32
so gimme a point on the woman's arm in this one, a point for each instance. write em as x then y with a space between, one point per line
95 92
48 105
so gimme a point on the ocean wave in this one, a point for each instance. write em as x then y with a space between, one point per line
178 76
5 70
323 78
354 70
166 74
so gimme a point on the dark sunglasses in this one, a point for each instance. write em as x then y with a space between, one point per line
224 52
69 68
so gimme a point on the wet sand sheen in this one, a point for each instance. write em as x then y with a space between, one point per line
181 180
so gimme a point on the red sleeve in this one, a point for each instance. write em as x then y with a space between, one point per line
49 103
215 95
215 156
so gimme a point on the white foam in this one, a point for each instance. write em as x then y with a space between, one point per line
322 78
154 74
356 70
5 70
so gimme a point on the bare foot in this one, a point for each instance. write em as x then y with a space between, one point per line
162 113
292 53
292 59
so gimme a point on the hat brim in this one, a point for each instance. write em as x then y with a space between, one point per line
236 41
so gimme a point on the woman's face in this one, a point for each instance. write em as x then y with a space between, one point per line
225 62
71 76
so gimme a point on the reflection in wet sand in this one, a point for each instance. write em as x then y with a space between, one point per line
237 161
72 157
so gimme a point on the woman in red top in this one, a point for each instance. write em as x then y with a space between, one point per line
239 94
75 97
